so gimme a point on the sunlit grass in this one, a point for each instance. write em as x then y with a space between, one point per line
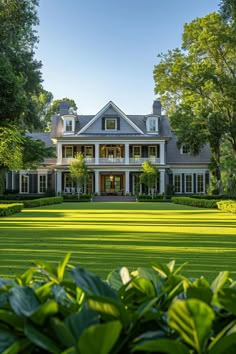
105 236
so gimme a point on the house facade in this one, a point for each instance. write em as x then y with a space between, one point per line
114 145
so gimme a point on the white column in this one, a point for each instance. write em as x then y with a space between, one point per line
59 153
162 181
162 153
127 153
96 154
97 189
58 177
126 181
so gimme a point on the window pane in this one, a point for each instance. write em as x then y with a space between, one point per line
188 182
42 183
24 184
69 125
177 184
200 183
68 151
110 124
137 151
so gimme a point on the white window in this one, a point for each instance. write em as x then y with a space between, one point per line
69 124
200 183
88 151
110 124
177 183
185 149
137 152
152 124
24 184
188 183
152 153
68 151
42 183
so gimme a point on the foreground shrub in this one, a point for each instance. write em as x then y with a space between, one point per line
9 209
42 201
227 206
195 202
151 310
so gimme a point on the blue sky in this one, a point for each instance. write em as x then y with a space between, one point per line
94 51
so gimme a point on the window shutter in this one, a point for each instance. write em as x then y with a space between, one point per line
194 183
118 123
183 189
207 180
170 178
103 123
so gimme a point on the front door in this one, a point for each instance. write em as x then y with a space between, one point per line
113 184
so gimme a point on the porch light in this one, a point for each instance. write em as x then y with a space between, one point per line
111 178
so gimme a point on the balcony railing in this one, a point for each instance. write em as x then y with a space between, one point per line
113 161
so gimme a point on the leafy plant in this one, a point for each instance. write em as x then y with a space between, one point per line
65 309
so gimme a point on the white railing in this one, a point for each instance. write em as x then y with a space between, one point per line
112 161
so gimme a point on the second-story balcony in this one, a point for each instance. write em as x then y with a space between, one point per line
114 161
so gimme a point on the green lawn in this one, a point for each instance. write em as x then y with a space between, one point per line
103 236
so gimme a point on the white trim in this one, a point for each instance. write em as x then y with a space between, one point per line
182 152
27 177
180 175
185 183
204 183
102 111
65 147
106 120
46 182
156 120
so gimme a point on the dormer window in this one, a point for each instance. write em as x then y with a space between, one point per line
185 149
69 124
110 124
152 124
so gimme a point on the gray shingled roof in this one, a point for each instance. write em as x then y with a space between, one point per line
45 137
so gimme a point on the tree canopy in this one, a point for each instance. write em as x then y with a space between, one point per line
79 171
54 109
148 176
196 85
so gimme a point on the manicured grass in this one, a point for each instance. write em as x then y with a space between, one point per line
103 236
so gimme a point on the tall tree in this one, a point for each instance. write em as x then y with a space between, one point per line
79 172
197 86
149 175
228 9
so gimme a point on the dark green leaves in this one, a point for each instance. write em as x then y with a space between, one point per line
23 301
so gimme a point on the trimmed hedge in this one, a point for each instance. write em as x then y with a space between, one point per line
9 209
157 198
42 201
227 206
200 203
66 309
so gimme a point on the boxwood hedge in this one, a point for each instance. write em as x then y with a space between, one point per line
227 206
200 203
9 209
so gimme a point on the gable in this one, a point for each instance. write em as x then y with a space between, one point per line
110 120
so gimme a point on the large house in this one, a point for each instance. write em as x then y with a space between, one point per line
114 145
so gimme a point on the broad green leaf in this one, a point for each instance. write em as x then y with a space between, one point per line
227 298
45 310
161 268
192 319
144 286
6 339
99 339
114 279
164 346
144 308
23 300
17 347
78 322
27 277
40 339
151 275
108 306
62 265
71 350
44 291
62 332
227 330
91 284
200 293
227 345
11 319
219 281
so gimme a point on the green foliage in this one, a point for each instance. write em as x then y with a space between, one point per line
10 148
65 309
149 175
9 209
42 201
35 151
195 202
196 85
79 171
53 109
227 206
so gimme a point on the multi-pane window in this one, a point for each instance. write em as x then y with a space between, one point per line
200 183
89 184
177 183
24 184
188 183
69 125
110 124
136 152
42 183
88 152
68 151
185 149
152 125
152 153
